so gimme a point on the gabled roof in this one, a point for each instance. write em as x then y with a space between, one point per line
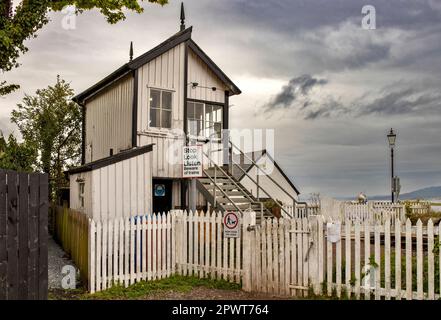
216 70
176 39
123 155
256 155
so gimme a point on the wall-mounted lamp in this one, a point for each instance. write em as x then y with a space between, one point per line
195 84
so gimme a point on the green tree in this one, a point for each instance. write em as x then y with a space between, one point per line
51 123
31 15
16 156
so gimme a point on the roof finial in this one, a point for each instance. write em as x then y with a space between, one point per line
182 17
131 50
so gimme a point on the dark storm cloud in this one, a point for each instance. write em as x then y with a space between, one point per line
396 99
300 15
403 101
299 86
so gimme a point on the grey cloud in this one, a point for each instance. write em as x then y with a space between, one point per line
396 99
296 87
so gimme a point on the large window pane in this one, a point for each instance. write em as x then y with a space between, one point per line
166 119
166 100
217 113
155 98
199 111
154 117
160 108
218 129
190 110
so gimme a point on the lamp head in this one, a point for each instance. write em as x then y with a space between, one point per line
391 137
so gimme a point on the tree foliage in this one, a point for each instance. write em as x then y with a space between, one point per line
51 124
31 15
16 156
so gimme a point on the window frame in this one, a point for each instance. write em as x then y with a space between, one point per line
81 192
161 108
205 120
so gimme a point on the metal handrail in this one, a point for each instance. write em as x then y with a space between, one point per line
224 193
257 166
229 178
257 184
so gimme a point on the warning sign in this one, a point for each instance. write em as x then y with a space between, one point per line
192 162
231 225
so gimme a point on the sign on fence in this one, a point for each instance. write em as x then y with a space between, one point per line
231 225
333 231
192 162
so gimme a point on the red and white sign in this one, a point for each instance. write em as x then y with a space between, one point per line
231 225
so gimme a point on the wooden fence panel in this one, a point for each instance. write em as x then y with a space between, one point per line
3 237
23 235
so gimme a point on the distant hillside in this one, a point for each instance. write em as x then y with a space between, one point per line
425 193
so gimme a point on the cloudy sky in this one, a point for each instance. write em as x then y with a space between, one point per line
329 88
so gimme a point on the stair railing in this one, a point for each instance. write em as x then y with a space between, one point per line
216 186
259 187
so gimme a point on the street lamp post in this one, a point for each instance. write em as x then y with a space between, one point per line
392 138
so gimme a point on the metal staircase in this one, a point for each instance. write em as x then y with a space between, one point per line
221 187
225 193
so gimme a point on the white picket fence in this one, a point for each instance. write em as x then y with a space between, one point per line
373 212
128 250
290 257
279 256
203 251
300 211
364 247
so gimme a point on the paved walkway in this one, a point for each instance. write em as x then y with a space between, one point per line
57 259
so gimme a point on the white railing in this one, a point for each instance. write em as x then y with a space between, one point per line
373 212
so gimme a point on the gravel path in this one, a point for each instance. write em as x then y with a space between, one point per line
57 259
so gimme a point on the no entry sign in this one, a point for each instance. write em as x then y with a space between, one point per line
231 225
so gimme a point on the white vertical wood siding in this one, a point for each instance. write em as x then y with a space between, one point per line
109 120
199 72
165 72
167 154
268 185
74 192
123 189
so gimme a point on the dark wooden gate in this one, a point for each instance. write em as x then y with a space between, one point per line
23 235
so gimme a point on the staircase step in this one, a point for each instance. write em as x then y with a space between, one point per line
218 180
225 187
224 200
210 172
239 205
232 193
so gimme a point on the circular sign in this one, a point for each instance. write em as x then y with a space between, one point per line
231 220
159 190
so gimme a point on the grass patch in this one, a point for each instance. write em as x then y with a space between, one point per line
145 288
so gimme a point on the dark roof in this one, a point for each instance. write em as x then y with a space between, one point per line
168 44
256 156
124 155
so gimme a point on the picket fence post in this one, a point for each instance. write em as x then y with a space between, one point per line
248 220
313 257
